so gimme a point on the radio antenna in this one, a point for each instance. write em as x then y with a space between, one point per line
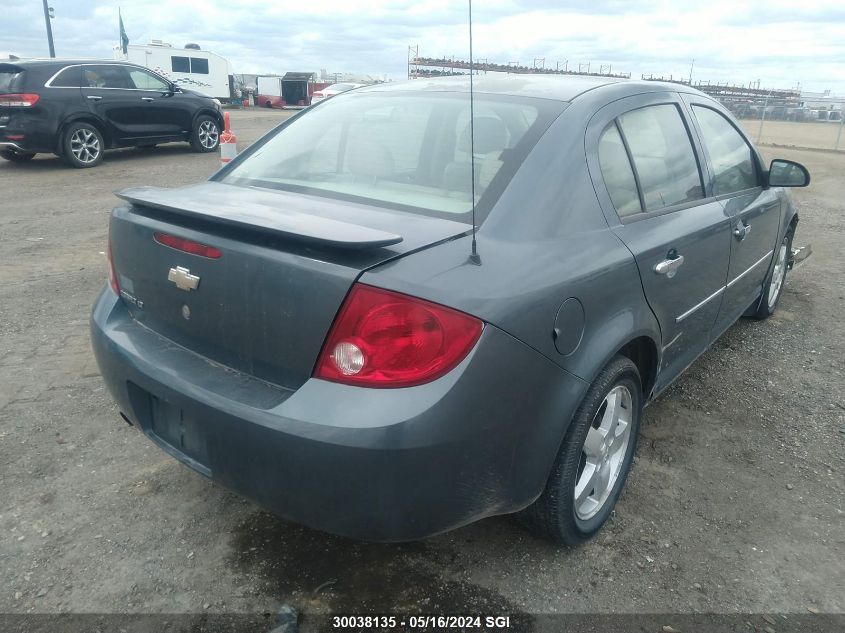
474 257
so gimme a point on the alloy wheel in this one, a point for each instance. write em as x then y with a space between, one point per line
85 145
778 275
208 134
603 453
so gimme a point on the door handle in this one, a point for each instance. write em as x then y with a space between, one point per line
147 99
669 267
742 231
94 97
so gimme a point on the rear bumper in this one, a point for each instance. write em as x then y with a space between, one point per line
28 132
9 145
374 464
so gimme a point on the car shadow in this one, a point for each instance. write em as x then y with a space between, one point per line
113 156
320 573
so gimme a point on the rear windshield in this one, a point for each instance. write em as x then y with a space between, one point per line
403 150
7 79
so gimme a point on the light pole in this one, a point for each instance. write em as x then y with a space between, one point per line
763 118
48 15
691 66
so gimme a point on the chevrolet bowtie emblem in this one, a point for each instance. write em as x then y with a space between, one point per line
183 278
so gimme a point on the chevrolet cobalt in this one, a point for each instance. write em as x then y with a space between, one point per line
319 328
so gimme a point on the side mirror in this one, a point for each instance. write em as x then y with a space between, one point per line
787 173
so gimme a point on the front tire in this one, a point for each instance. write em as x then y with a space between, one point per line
82 145
773 289
16 157
205 136
594 459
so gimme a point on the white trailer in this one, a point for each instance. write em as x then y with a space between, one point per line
190 67
268 92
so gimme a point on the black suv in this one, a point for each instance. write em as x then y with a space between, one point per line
76 109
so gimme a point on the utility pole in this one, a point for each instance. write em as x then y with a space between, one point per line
763 118
48 15
691 66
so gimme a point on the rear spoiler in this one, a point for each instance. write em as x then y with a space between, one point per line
215 202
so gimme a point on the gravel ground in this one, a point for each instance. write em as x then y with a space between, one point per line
734 503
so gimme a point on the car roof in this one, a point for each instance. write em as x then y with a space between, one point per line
55 63
557 87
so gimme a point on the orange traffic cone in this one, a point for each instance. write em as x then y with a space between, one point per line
228 142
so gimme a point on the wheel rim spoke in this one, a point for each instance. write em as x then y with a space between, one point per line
586 485
602 482
611 411
618 437
593 444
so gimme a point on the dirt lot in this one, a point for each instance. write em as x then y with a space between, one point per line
734 503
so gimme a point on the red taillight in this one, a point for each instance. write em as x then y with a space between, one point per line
23 100
382 338
187 246
113 282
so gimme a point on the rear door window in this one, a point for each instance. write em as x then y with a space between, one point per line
663 156
617 173
730 156
106 76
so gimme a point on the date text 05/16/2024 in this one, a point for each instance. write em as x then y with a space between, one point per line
387 622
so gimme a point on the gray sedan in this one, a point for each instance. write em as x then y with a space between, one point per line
320 328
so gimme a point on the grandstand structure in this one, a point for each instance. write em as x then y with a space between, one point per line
442 67
745 101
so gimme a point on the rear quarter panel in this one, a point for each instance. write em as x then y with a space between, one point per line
41 123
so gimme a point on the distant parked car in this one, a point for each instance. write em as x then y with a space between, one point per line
331 91
78 109
313 328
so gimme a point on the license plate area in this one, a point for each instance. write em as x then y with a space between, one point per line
173 429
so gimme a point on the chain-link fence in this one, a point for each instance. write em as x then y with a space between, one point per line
814 128
783 117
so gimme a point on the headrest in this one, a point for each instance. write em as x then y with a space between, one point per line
491 135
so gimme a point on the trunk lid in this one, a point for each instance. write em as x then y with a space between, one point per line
286 264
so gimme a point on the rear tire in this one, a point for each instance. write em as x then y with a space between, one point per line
15 156
773 289
82 145
594 459
205 137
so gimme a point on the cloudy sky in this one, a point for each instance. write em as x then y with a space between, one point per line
778 42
